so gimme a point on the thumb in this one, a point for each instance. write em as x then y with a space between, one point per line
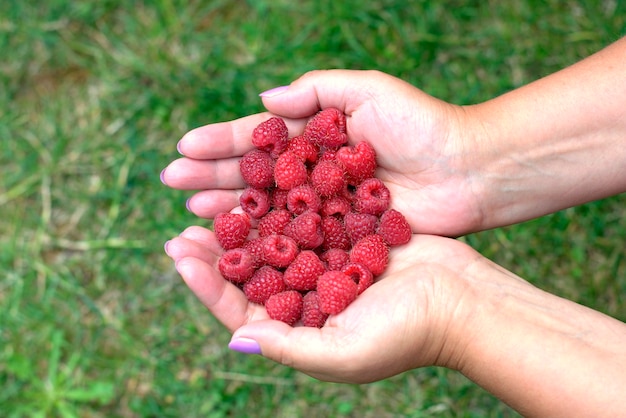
307 349
321 89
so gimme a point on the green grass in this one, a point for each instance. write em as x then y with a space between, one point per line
94 320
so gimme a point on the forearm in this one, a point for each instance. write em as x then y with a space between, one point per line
555 143
543 355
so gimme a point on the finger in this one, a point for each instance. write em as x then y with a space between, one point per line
227 139
225 301
191 174
208 203
196 242
307 349
344 350
320 89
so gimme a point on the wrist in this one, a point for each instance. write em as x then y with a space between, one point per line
536 351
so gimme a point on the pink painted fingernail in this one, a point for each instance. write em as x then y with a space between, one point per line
274 92
245 345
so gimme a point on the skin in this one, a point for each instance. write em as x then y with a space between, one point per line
451 170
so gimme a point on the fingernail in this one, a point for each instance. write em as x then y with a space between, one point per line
162 176
245 345
188 205
178 148
274 92
165 246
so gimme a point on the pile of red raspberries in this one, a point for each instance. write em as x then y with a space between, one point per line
323 220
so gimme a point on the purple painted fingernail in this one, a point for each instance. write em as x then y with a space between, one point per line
274 92
245 345
165 247
162 176
188 205
178 148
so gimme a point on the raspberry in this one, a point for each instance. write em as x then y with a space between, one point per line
265 282
231 229
257 169
255 248
303 148
336 291
271 136
372 252
274 222
278 198
359 161
359 225
372 196
236 265
394 228
327 128
335 258
328 155
334 233
312 315
289 171
303 272
361 275
302 199
279 250
306 230
285 306
327 178
255 202
336 206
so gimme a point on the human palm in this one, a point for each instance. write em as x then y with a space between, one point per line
417 139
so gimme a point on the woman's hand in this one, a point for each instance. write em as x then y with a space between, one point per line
422 146
413 316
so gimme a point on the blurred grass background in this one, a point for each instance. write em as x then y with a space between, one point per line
95 322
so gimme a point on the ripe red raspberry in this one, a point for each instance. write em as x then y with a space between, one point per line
302 199
359 162
285 306
255 202
328 178
306 230
303 148
327 128
278 198
274 222
289 171
255 248
336 206
236 265
271 136
336 291
372 196
231 229
265 282
303 272
359 225
257 169
312 315
394 227
328 155
334 233
361 275
335 258
372 252
279 250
